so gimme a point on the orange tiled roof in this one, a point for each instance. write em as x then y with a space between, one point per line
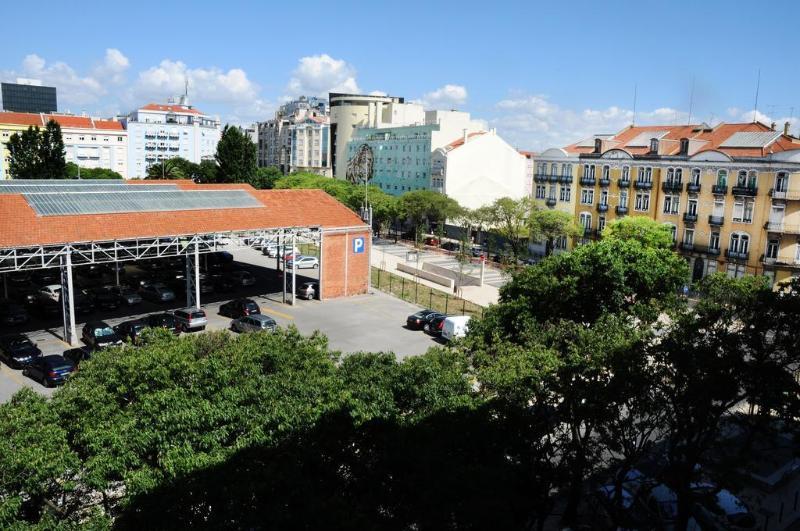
170 108
20 226
64 120
460 140
20 118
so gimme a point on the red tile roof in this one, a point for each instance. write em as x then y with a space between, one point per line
460 140
64 120
20 118
20 226
170 108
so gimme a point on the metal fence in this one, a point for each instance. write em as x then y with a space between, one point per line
423 295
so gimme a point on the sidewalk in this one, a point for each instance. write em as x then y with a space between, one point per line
482 295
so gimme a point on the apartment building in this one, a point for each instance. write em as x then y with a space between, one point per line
730 193
274 136
310 146
88 142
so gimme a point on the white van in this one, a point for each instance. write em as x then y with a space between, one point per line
455 327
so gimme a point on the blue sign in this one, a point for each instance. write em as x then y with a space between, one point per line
358 245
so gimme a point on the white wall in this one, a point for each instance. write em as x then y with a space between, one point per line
97 148
484 169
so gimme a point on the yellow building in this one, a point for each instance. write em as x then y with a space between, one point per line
731 192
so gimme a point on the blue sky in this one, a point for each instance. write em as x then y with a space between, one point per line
544 74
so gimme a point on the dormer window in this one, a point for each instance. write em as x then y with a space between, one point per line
653 145
598 145
684 146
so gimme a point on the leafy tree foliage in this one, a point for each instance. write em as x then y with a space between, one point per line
646 231
511 219
236 157
90 173
37 154
265 178
426 206
169 169
549 225
51 152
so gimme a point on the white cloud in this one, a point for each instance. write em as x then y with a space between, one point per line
535 122
316 75
446 97
113 67
205 84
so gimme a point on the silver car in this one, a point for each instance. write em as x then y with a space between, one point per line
157 292
253 323
190 319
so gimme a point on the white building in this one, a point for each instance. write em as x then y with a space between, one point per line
350 111
159 132
310 146
274 137
477 169
88 142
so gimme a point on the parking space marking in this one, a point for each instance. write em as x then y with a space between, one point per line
276 312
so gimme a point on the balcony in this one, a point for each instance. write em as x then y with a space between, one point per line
719 189
566 179
601 207
784 194
704 249
605 181
589 232
688 217
624 183
779 262
750 191
540 178
643 185
781 228
716 221
737 255
672 186
553 178
587 181
684 246
693 188
550 201
621 210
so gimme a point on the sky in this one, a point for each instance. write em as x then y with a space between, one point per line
544 74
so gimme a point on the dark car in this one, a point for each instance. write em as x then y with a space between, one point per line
162 320
12 313
417 321
49 370
239 308
17 350
451 246
435 325
82 303
45 306
97 334
78 355
131 330
103 298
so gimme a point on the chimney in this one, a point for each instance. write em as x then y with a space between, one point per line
786 128
598 145
464 135
772 126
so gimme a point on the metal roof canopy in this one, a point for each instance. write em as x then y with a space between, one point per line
104 252
56 203
62 182
751 139
67 188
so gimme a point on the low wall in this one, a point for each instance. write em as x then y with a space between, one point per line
427 275
466 280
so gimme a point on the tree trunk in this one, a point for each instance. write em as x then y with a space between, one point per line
548 246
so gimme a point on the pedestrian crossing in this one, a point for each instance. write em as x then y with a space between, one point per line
491 276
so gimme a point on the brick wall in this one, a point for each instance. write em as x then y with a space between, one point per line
343 271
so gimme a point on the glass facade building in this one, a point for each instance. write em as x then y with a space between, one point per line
28 98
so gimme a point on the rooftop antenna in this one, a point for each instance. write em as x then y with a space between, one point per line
691 103
634 104
758 85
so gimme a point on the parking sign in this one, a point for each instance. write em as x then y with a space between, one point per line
358 245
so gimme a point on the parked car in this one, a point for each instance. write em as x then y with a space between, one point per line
308 290
130 330
254 323
455 327
82 304
49 370
78 355
97 335
243 277
272 250
44 306
417 321
430 240
218 260
303 262
17 350
53 291
157 292
451 246
162 320
662 501
103 298
126 295
435 325
721 509
190 319
12 313
239 308
477 251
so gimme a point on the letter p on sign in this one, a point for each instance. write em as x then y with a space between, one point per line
358 245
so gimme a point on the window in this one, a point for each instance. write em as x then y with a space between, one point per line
561 242
586 220
587 196
606 172
743 211
604 197
713 241
740 242
688 237
692 207
772 249
719 208
741 179
752 179
623 198
670 174
601 223
591 171
654 145
626 173
565 193
671 204
797 252
645 175
552 194
554 170
696 176
674 231
642 202
566 170
781 181
722 178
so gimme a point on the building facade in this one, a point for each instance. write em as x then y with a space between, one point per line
28 95
274 137
310 146
157 132
88 142
730 193
351 111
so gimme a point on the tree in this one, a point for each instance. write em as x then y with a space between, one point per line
426 206
510 219
73 171
51 152
170 169
236 157
549 225
646 231
265 178
24 160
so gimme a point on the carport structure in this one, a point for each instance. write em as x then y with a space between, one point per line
63 224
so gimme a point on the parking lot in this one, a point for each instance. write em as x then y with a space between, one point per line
372 322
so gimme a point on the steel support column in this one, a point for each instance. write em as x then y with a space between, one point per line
294 268
321 263
68 301
281 254
196 276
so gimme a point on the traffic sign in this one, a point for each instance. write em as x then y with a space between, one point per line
358 245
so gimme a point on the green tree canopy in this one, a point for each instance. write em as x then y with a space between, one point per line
51 152
511 219
549 225
236 156
646 231
426 206
169 169
90 173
